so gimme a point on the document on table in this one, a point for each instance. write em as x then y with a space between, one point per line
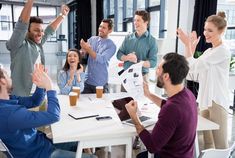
132 80
76 114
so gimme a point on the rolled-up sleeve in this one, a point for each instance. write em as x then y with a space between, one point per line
18 36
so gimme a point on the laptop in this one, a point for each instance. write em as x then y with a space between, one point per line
119 105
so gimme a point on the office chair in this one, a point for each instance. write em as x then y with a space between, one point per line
5 150
217 153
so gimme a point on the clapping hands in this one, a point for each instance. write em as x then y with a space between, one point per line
40 77
190 41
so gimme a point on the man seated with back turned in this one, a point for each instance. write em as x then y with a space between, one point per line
18 124
174 133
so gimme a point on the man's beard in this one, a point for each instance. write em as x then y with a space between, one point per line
160 82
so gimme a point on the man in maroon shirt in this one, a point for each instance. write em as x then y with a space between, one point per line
174 133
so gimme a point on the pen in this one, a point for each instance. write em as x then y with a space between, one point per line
84 117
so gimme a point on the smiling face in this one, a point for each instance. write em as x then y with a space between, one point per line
36 32
140 24
211 33
73 59
104 30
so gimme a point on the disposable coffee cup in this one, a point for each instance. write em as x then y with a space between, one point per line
76 90
99 91
73 96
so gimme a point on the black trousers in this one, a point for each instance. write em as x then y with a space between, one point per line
144 154
92 89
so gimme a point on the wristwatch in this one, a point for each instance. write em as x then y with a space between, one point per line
62 15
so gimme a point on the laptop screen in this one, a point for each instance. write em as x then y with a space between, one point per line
119 105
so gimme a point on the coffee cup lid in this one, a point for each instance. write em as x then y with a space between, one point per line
73 94
99 87
76 87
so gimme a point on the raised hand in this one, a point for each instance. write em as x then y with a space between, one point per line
79 71
132 108
146 89
72 72
190 41
65 9
40 78
85 45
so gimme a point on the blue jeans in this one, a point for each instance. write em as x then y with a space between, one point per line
67 150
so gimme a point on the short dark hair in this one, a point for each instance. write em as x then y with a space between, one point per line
34 19
144 14
110 23
66 64
176 66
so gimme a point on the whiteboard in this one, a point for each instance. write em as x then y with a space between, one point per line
117 38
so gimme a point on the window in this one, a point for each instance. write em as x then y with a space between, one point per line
48 14
120 16
140 4
129 8
229 9
123 18
17 10
6 27
154 24
7 19
111 7
154 2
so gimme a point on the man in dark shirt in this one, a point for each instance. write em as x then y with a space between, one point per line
174 133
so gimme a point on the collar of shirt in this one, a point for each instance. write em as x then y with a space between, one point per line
144 35
12 102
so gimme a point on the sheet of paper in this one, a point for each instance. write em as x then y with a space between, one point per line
132 80
81 114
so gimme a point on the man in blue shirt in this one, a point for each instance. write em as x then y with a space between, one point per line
25 46
140 45
100 50
18 124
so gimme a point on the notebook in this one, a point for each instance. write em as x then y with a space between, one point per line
124 116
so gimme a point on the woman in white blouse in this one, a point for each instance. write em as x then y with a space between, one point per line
213 69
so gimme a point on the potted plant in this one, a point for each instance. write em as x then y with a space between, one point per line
232 64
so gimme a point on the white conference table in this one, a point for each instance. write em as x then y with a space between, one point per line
92 133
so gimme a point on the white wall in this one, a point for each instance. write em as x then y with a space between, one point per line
93 17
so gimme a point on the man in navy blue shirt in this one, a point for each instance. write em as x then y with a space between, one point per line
18 124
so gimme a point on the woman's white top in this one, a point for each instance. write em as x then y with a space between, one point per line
212 68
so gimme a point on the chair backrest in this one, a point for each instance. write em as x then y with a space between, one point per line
5 150
217 153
